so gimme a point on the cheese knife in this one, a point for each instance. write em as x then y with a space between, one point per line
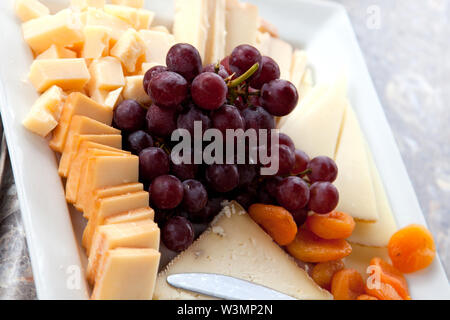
224 287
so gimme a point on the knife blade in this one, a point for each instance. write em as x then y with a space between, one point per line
224 287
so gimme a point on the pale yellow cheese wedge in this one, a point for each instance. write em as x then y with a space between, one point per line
55 52
298 68
129 49
63 29
110 192
30 9
84 4
134 89
215 43
96 43
140 234
132 216
69 74
130 3
354 181
113 98
40 122
157 45
116 26
106 74
281 52
111 206
137 18
236 246
360 258
52 101
144 19
78 104
263 40
127 274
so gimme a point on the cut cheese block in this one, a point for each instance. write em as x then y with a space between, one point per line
160 29
111 206
360 258
78 104
130 3
315 124
354 181
128 14
298 68
69 74
141 234
134 89
127 274
55 52
84 4
129 49
379 233
110 192
96 43
215 43
104 172
281 52
51 101
236 246
62 29
40 122
116 26
30 9
242 23
106 74
190 23
79 166
157 45
263 40
113 98
132 216
144 19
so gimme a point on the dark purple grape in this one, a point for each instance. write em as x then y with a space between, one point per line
209 91
258 118
187 119
166 192
212 208
301 162
243 58
183 170
129 116
322 169
168 89
195 196
265 197
269 71
271 185
284 139
222 177
245 199
138 141
299 216
227 117
286 160
161 122
212 68
293 193
324 197
279 97
178 234
247 174
153 162
184 59
150 74
162 216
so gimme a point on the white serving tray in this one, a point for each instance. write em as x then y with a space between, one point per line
53 231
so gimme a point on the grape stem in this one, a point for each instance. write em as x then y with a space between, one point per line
309 170
236 82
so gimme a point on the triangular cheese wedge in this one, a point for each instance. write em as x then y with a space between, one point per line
236 246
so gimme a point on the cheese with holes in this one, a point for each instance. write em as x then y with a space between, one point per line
134 89
281 52
241 249
55 52
298 68
78 104
132 216
106 74
111 206
84 4
127 274
360 258
129 49
62 29
96 43
69 74
215 44
130 3
157 45
30 9
116 26
354 181
242 23
379 233
110 192
140 234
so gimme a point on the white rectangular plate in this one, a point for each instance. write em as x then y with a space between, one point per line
53 231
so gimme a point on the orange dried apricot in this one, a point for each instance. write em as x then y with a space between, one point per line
308 247
383 291
277 221
412 248
323 272
333 225
366 297
347 284
390 275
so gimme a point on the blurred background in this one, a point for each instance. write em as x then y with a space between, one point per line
407 49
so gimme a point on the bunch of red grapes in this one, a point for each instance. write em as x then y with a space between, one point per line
241 92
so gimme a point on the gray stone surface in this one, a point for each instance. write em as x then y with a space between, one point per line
407 49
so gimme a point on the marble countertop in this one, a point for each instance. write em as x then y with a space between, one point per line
407 51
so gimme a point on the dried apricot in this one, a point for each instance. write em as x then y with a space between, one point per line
390 275
412 248
308 247
277 221
366 297
383 291
347 284
323 273
333 225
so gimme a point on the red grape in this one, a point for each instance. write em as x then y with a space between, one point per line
284 139
269 71
222 177
271 185
178 234
166 192
195 196
301 162
211 209
153 162
184 59
212 68
324 197
279 97
286 160
188 117
226 63
258 118
129 115
245 199
227 117
247 174
243 58
168 89
138 141
184 171
322 169
161 121
293 193
209 91
150 74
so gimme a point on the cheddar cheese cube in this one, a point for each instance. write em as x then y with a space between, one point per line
106 74
129 49
116 26
96 43
55 52
134 89
129 3
40 122
30 9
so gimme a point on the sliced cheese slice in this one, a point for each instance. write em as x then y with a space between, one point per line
281 52
157 44
360 258
298 68
263 43
132 216
141 234
215 43
110 206
127 274
236 246
354 181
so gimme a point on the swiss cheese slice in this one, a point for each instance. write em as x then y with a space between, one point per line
132 216
360 258
354 181
127 274
215 44
236 246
